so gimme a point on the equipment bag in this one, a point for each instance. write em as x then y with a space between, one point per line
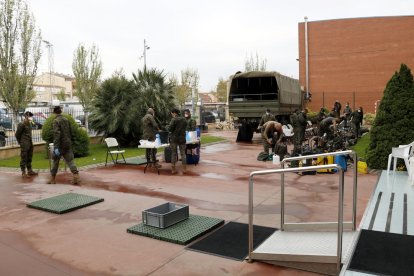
326 160
308 162
263 156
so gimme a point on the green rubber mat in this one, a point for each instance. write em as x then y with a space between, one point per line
183 232
135 161
64 203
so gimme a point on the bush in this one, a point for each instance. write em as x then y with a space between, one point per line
81 140
394 120
369 118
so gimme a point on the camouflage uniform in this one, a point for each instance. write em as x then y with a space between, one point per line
191 124
62 140
150 129
177 129
299 121
356 121
266 118
24 138
325 127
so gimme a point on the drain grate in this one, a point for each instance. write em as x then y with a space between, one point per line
64 203
183 232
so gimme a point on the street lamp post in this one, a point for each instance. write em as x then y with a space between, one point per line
144 54
50 63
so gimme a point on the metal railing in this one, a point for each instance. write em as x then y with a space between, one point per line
283 170
7 135
313 156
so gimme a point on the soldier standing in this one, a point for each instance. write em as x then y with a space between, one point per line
191 123
347 113
62 146
337 109
265 118
299 131
177 128
24 138
356 121
150 129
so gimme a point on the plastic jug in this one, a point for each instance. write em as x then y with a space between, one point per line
276 159
157 140
198 132
187 136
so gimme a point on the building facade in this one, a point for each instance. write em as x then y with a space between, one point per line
351 60
48 87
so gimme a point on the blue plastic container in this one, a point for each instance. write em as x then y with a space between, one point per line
341 161
198 132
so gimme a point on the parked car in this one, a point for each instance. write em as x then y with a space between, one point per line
80 120
208 117
5 119
39 119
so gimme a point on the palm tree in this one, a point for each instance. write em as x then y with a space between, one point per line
113 110
154 91
120 104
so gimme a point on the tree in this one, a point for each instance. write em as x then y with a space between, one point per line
255 63
190 80
19 54
87 68
120 104
154 91
394 120
221 90
114 110
62 95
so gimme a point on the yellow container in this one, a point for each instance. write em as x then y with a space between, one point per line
362 167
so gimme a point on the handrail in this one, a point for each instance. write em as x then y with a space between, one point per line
354 187
301 169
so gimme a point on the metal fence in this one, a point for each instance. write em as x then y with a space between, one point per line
7 133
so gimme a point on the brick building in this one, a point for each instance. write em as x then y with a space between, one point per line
351 60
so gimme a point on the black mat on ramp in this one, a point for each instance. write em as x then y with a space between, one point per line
231 240
383 254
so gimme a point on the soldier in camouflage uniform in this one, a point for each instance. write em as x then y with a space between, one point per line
191 123
177 128
299 131
62 146
150 129
265 118
24 138
356 121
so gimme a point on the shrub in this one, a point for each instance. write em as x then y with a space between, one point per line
369 118
394 120
81 140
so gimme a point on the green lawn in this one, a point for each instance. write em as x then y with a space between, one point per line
97 155
362 145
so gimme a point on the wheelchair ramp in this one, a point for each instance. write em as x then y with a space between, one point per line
311 251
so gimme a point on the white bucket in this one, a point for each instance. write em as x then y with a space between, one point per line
276 159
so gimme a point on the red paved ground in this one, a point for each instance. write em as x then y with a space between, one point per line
93 240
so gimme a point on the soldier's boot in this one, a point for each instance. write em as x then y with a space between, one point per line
25 175
52 179
76 179
184 168
173 170
32 173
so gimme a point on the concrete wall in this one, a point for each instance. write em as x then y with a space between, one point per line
351 60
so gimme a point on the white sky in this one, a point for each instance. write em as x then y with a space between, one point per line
215 37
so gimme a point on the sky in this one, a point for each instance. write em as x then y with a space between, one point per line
213 37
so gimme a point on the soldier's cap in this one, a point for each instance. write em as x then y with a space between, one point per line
28 114
176 111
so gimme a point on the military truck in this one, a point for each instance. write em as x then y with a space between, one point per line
251 93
